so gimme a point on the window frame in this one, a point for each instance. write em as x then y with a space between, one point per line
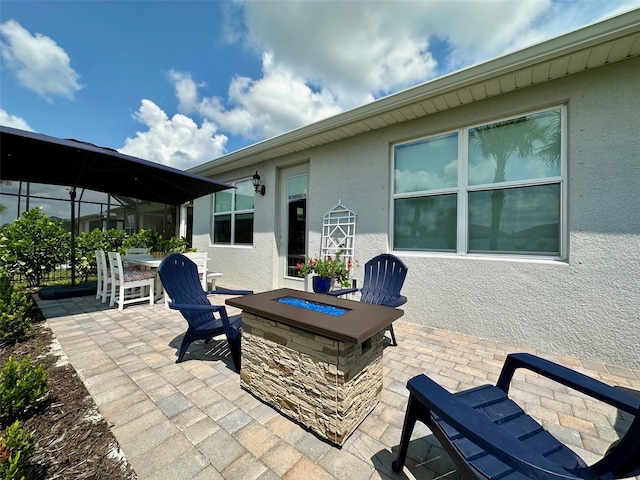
233 213
463 189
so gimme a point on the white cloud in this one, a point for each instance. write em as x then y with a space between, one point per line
13 121
322 58
484 30
375 48
352 48
38 62
378 47
176 141
186 91
279 101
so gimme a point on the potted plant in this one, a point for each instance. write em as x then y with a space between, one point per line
327 272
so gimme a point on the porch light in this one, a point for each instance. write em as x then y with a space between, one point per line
257 186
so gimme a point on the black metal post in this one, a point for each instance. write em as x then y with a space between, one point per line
72 194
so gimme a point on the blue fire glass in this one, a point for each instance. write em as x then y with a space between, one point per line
315 306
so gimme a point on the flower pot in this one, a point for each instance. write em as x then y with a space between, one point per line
322 284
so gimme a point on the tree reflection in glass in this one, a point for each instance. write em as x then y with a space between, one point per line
512 151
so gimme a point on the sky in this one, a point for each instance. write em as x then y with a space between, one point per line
184 82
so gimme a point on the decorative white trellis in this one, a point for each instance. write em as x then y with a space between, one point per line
339 232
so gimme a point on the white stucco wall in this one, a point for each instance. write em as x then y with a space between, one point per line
587 306
246 267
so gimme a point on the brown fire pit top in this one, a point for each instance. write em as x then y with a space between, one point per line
359 323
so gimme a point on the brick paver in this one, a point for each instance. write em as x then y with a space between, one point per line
193 421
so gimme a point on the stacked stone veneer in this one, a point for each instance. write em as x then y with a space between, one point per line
327 385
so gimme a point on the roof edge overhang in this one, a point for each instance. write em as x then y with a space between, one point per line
573 42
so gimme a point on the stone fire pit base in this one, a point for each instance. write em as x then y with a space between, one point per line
327 385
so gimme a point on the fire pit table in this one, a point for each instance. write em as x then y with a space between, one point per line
313 357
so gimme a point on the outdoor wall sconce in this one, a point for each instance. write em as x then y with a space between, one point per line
257 186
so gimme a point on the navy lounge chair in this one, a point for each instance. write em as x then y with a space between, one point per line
489 436
182 283
384 276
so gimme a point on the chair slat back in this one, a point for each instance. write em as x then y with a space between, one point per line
179 276
200 259
384 277
137 251
115 264
102 273
101 260
488 435
99 273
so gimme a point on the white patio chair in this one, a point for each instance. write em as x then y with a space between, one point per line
137 251
104 277
132 280
201 261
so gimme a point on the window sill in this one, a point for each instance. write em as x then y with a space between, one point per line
485 257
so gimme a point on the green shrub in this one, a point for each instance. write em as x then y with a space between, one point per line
33 246
13 327
153 240
88 242
6 288
144 239
22 389
175 244
112 240
16 448
14 322
13 299
86 245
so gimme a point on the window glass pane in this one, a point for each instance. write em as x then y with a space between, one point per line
296 235
239 199
515 220
426 223
426 165
222 229
245 195
519 149
296 187
244 229
222 201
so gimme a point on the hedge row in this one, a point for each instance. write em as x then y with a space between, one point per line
23 386
33 246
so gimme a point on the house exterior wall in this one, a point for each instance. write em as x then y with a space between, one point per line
587 306
246 267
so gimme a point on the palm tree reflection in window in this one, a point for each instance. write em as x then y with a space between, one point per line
530 139
431 223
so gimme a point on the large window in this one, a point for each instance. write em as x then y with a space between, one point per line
496 188
233 215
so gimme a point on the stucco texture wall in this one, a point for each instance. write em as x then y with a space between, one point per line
587 306
247 266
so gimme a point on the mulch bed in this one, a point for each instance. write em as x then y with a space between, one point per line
73 439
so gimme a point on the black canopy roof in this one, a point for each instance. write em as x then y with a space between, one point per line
34 157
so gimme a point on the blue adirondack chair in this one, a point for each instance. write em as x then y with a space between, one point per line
384 276
179 276
489 436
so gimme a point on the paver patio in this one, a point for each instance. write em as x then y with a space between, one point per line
193 421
